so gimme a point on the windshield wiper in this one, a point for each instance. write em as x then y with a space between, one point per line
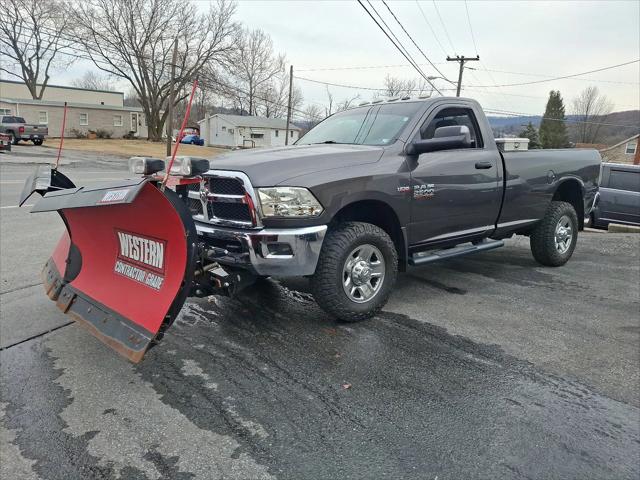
328 141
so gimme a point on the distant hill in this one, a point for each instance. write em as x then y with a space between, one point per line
609 135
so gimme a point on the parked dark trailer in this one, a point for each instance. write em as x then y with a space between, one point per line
367 193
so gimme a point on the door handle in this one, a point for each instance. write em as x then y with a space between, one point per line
483 165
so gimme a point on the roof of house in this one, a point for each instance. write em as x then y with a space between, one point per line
54 103
621 143
65 86
254 122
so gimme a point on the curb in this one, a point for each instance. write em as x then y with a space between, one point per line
619 228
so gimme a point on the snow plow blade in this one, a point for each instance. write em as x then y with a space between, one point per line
124 267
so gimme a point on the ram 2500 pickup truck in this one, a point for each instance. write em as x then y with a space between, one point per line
368 192
18 129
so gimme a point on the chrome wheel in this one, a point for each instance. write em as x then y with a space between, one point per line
363 273
564 234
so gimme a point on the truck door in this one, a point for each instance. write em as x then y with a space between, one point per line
455 193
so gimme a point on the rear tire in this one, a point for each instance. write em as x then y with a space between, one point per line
356 271
14 139
554 239
38 141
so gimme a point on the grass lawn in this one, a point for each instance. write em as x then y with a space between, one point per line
130 148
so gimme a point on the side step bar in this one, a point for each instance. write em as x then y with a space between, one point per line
423 258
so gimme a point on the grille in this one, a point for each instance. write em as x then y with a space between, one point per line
193 187
195 206
238 212
226 186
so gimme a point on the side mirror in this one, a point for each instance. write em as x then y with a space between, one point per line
444 138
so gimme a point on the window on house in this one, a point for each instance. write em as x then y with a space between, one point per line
257 135
231 130
84 119
631 148
117 120
277 133
291 133
43 117
224 128
5 111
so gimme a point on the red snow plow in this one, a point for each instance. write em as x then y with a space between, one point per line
130 255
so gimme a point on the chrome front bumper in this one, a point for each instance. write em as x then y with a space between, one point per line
287 252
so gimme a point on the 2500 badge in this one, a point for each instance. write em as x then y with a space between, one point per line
141 259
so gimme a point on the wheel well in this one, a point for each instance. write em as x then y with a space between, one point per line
570 191
380 214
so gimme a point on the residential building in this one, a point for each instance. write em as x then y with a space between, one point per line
87 110
246 131
627 151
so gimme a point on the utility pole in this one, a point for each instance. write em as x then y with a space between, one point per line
286 132
169 125
462 59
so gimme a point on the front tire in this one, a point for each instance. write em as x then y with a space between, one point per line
554 238
356 271
38 141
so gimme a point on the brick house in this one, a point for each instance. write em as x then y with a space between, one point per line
86 110
627 151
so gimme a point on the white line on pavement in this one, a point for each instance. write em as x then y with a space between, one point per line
17 206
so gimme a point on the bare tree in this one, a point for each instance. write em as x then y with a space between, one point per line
273 99
93 81
346 103
328 110
31 40
591 108
255 67
395 87
133 40
312 115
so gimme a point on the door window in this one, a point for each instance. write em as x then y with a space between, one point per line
448 117
623 180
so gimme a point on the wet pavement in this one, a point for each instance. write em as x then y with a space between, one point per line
485 367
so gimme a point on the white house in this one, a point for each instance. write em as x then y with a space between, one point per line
246 131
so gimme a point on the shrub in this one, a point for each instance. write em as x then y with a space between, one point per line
78 133
101 133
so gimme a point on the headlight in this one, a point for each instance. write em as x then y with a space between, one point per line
188 166
288 202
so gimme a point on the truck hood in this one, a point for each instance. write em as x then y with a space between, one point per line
273 166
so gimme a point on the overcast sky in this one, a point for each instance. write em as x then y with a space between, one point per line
530 39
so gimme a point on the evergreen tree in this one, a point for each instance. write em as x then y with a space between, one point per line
531 133
553 131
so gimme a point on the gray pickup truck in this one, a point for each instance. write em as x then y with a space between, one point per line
367 193
386 186
18 129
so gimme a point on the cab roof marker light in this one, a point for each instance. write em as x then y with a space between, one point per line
145 165
186 166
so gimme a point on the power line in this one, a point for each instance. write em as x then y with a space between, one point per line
444 27
551 76
356 87
414 43
399 49
560 78
433 32
570 120
475 46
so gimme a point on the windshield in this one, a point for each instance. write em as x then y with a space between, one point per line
370 125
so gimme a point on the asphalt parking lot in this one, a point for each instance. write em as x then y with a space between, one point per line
489 366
